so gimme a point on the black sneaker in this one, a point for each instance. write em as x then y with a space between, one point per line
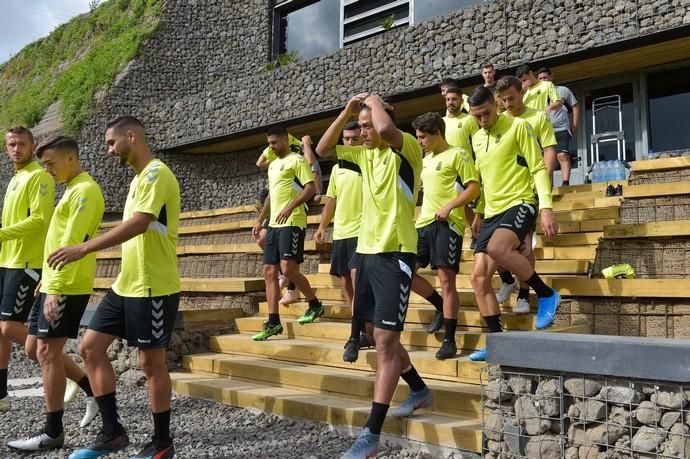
619 190
153 451
104 445
364 341
448 350
435 324
351 353
610 191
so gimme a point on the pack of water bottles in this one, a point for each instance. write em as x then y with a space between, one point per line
608 171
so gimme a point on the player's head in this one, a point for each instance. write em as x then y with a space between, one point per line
525 74
277 138
19 144
544 74
509 90
430 130
60 158
483 106
448 83
453 99
352 135
488 73
370 137
125 136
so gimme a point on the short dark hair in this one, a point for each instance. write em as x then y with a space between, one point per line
487 65
454 90
544 70
351 126
450 82
508 81
277 130
430 123
125 123
524 69
21 130
61 143
389 112
481 95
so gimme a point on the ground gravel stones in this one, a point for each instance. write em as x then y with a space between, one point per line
202 429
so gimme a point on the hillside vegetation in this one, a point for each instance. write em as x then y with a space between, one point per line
74 62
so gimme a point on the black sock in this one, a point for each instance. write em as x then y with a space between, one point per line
291 286
412 378
450 326
54 424
507 277
111 421
566 182
273 319
356 327
436 300
84 384
538 285
376 417
3 383
523 293
161 429
494 323
315 303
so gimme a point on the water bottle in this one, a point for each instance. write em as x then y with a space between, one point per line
620 170
611 171
651 154
596 172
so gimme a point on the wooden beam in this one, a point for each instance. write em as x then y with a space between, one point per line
657 189
309 246
625 288
661 164
654 229
218 285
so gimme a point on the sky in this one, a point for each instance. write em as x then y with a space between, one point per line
25 21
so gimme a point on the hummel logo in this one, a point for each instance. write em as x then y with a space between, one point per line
55 324
158 324
43 330
386 322
404 288
23 288
156 334
43 189
157 314
157 304
143 341
6 313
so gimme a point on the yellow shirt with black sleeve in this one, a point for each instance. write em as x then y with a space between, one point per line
509 160
75 220
540 95
390 184
149 260
460 129
295 146
286 179
26 213
442 175
541 125
345 186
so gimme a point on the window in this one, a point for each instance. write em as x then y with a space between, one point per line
365 18
669 110
310 28
425 9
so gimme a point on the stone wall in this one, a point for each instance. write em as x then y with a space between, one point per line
199 75
575 416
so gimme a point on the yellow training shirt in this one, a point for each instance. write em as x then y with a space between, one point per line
286 179
508 160
390 182
75 220
149 260
345 187
442 175
460 129
540 95
541 125
26 213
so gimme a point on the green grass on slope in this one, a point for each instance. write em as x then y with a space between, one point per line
74 62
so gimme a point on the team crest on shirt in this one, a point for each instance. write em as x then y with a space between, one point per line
498 138
385 161
439 165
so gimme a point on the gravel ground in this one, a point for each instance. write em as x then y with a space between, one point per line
201 429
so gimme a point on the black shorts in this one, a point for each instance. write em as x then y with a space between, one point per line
71 308
563 139
520 219
146 323
286 243
440 245
382 288
17 288
342 256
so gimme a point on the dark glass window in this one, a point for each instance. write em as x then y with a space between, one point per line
669 110
425 9
310 28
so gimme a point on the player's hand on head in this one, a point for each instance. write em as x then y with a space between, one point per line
354 104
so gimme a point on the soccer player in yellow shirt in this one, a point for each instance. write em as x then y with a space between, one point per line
141 306
539 95
391 162
510 165
450 182
344 203
65 293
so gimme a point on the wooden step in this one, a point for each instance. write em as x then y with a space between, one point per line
419 313
226 315
309 246
451 398
623 288
190 215
661 164
644 230
219 285
661 190
450 431
577 189
330 353
566 240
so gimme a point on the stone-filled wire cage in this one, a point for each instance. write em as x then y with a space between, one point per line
548 416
